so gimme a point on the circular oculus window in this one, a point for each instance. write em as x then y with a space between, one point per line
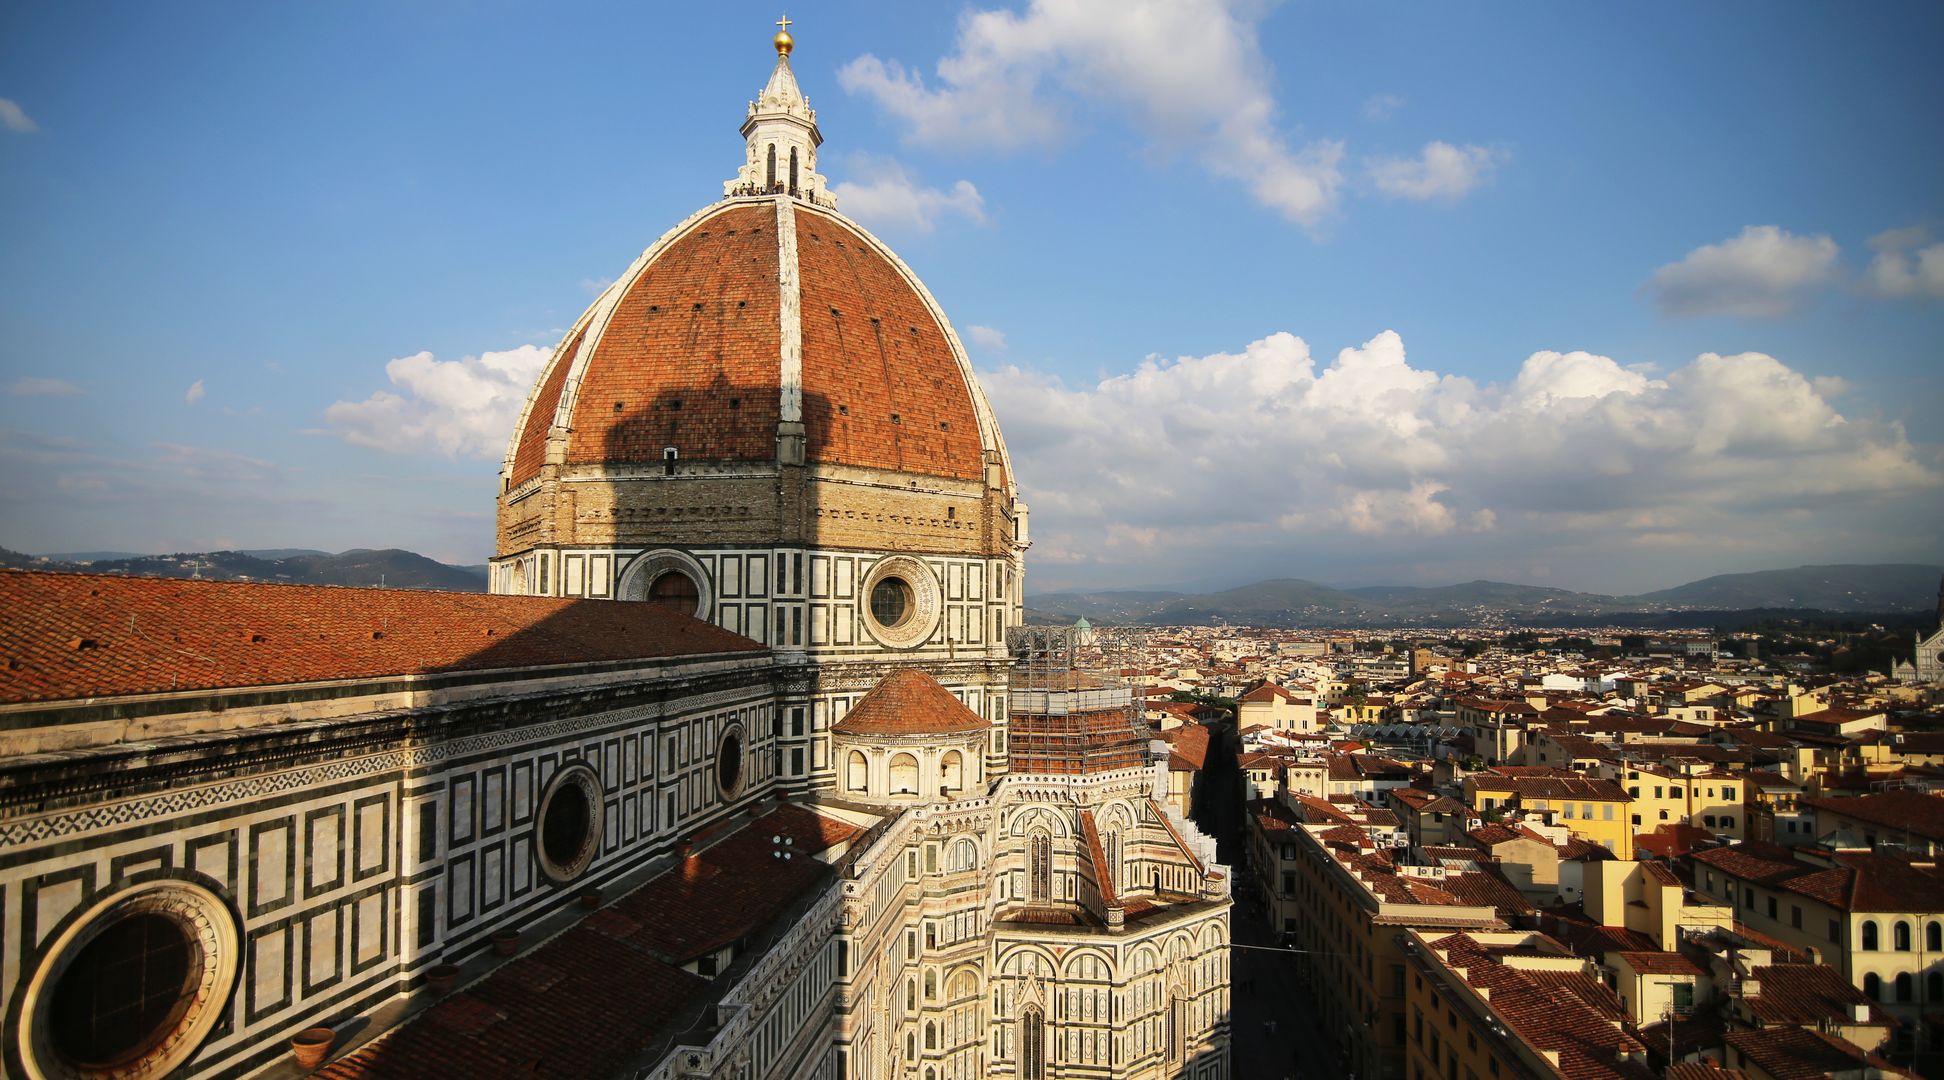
569 830
901 602
132 988
729 762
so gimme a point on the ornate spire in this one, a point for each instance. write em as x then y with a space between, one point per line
781 132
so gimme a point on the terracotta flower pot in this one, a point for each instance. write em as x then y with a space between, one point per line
442 977
590 899
311 1046
506 942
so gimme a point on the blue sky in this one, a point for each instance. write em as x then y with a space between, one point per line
1629 295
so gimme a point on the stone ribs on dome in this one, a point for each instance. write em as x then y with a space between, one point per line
686 353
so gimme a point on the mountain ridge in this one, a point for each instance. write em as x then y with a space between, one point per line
1295 602
393 567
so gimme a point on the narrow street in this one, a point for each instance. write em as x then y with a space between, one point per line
1272 1024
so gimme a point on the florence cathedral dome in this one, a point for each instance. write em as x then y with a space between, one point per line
766 372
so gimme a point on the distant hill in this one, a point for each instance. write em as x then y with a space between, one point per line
1884 587
1292 602
1102 607
363 567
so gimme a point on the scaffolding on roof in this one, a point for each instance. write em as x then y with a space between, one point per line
1072 709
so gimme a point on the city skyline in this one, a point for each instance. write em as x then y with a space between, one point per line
1368 301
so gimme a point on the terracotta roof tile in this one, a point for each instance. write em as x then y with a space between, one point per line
872 347
1902 810
690 356
1806 995
1793 1053
909 702
588 1001
68 636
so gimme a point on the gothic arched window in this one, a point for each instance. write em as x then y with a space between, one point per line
772 167
1039 883
793 171
1032 1044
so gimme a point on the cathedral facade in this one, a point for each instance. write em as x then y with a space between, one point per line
1926 664
748 769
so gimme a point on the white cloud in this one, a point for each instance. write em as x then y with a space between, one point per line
195 393
886 196
1211 461
462 407
985 337
1380 107
38 386
1905 265
15 119
1766 272
1189 73
1440 171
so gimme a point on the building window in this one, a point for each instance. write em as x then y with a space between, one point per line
891 602
1900 936
1869 935
676 590
134 986
1873 986
1032 1044
1795 916
570 823
1906 988
1934 936
729 762
1039 884
857 771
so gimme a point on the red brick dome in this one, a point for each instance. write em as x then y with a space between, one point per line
758 312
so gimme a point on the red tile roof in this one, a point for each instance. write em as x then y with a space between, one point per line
587 1002
1860 881
909 702
1807 994
872 345
1565 1015
1569 788
1660 963
69 636
690 358
1793 1053
1189 744
700 327
1901 810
